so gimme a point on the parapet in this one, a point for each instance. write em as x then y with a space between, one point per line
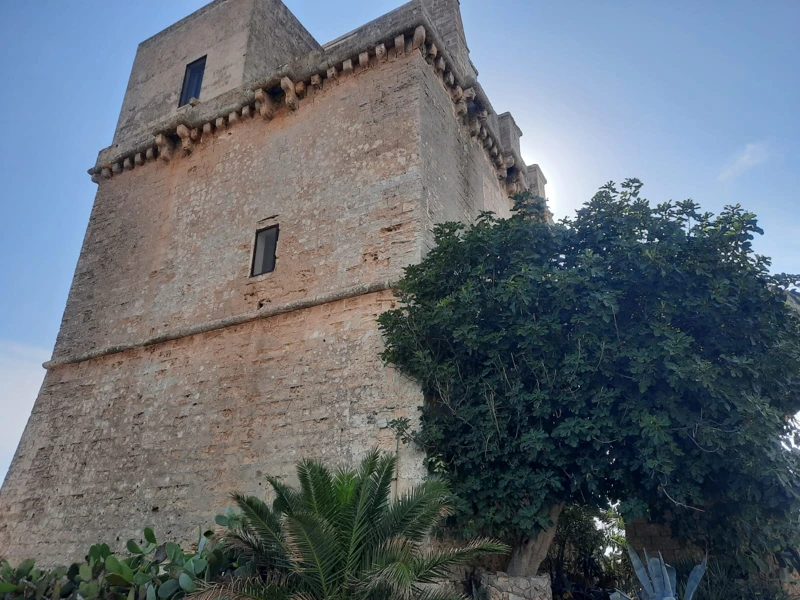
261 60
241 39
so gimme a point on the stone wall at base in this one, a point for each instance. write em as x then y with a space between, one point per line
159 436
500 586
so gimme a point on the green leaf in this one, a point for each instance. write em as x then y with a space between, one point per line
141 578
200 565
221 520
149 535
187 583
7 588
168 588
94 554
117 579
112 564
151 592
174 553
133 547
85 572
149 548
24 568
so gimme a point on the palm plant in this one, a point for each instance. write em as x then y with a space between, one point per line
340 537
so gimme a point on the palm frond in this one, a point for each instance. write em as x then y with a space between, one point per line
317 491
438 593
286 497
345 483
248 544
381 483
318 553
416 512
436 564
260 522
274 588
357 521
389 567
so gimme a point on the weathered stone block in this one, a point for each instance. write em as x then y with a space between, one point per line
499 586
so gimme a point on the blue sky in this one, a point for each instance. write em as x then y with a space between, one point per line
697 99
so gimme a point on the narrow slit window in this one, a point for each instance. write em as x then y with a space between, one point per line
264 253
192 80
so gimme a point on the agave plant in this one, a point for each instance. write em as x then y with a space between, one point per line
339 536
658 579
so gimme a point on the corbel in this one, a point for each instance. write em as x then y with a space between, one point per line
418 41
287 85
265 104
399 45
186 138
165 147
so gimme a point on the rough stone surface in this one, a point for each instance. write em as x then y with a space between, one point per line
240 41
159 436
353 178
502 587
147 416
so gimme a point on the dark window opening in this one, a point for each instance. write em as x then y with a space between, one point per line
192 81
264 253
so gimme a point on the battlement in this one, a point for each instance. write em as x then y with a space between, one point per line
240 40
280 75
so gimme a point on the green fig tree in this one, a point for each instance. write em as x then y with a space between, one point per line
633 353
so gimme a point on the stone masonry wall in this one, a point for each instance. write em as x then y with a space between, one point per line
171 244
159 436
219 30
458 179
242 41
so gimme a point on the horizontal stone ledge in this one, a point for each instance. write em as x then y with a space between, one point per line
270 311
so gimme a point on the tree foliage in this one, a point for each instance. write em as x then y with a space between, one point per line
634 353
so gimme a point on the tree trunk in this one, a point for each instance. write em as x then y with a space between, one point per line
529 554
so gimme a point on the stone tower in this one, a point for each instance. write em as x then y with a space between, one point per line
261 195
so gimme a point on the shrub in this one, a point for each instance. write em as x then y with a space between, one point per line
150 572
340 536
